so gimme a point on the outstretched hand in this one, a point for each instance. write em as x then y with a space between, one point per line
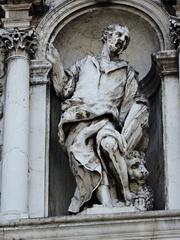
52 54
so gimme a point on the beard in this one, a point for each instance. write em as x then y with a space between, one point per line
118 48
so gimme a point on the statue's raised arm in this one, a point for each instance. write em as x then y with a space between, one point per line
63 81
59 76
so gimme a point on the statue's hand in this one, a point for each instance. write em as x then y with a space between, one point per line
52 54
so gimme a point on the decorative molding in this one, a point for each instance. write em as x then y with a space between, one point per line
37 7
167 61
39 71
17 41
21 1
16 15
149 225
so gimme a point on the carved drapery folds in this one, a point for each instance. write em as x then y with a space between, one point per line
103 127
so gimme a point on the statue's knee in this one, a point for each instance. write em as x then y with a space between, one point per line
109 144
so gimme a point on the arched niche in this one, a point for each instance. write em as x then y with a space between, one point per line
75 29
67 10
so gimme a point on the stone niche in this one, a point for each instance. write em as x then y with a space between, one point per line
80 37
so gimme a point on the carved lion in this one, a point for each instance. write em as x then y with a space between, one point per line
143 197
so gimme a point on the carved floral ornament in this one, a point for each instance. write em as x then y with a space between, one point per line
17 41
175 31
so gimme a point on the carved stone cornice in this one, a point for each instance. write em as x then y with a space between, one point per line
35 2
175 31
145 225
21 1
18 13
37 6
167 62
39 70
17 42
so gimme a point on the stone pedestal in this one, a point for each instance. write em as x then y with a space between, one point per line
127 226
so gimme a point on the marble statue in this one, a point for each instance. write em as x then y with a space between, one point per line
103 124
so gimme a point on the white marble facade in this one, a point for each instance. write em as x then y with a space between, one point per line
34 179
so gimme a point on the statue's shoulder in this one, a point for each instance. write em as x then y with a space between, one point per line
132 71
84 59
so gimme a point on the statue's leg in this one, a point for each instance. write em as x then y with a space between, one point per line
103 192
110 146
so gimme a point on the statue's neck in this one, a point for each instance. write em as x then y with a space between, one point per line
105 53
108 55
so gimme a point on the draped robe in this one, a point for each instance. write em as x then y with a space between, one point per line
100 100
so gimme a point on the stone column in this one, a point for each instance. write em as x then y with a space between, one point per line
14 199
39 133
168 63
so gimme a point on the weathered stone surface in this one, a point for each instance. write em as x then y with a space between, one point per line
150 33
103 123
127 226
88 28
88 18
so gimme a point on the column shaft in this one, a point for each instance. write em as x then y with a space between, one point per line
168 67
171 117
16 127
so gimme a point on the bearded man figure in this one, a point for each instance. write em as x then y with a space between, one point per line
104 118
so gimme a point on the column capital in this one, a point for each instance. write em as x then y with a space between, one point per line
174 31
167 62
18 42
